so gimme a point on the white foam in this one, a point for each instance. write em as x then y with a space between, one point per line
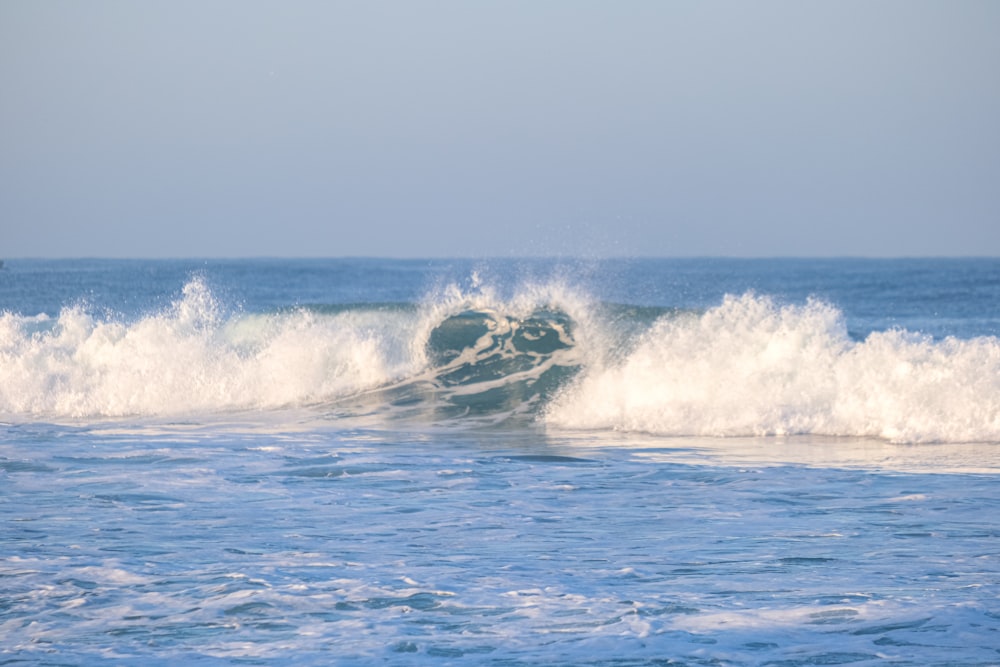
190 358
749 367
770 620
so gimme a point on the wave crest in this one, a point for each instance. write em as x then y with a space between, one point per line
748 367
459 348
189 358
752 368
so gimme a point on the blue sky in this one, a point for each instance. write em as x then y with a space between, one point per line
246 128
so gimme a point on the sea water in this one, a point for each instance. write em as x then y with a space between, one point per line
502 462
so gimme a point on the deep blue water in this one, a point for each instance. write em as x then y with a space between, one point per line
629 462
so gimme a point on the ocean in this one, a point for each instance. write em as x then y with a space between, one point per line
500 462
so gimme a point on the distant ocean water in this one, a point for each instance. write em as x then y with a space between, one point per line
621 462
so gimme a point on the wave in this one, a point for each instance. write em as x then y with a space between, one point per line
469 351
747 367
752 368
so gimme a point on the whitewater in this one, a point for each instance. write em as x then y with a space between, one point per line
500 462
746 367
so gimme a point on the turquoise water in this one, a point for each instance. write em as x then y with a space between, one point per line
721 462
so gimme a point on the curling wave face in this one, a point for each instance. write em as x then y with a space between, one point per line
748 366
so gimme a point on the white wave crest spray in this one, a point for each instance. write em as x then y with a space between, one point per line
189 358
749 367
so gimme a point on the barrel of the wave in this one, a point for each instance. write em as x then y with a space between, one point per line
488 362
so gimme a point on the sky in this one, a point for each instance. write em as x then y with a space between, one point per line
236 128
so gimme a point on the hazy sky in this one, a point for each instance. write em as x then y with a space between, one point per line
477 128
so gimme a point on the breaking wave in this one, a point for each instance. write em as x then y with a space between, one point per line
750 367
746 367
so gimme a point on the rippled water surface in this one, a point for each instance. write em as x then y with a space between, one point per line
185 544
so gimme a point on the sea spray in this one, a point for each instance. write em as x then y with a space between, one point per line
190 358
194 357
750 367
545 350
